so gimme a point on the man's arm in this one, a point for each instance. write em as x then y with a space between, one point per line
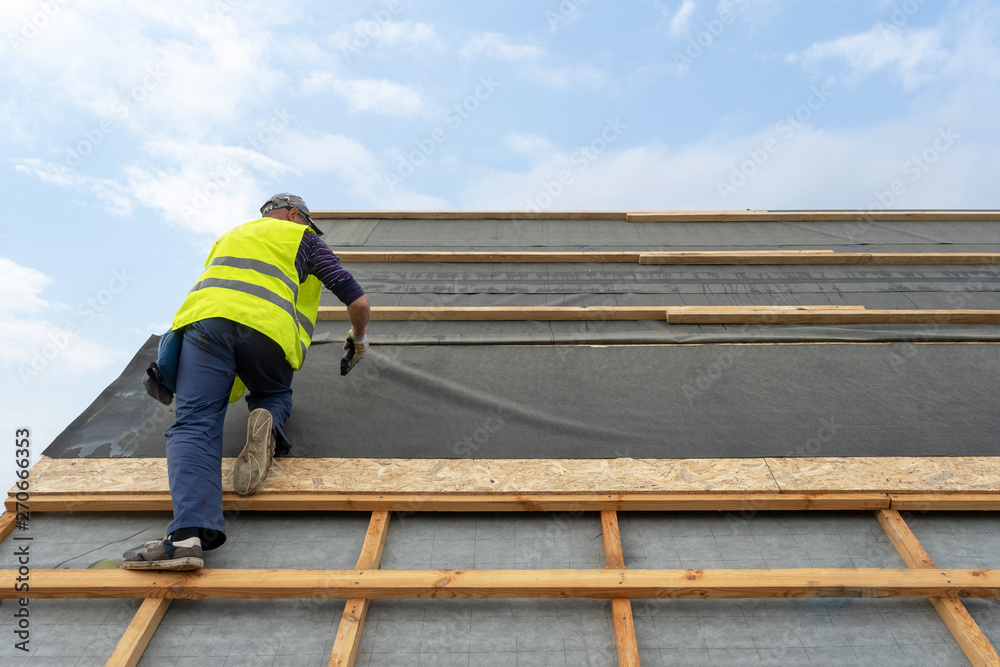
359 311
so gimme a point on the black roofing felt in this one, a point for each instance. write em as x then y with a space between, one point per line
641 389
660 401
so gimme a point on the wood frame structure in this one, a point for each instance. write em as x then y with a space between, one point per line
709 485
609 486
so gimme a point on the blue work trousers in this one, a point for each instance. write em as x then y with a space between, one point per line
213 353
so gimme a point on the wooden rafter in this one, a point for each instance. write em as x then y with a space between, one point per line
139 632
352 622
621 610
963 627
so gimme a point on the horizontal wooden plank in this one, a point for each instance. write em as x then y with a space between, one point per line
969 501
459 502
468 215
500 313
348 256
423 476
806 314
818 257
819 315
743 257
673 216
815 216
947 479
467 584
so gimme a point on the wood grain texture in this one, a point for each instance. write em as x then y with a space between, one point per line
825 257
490 502
352 621
139 632
671 216
8 522
469 215
963 627
700 257
432 476
421 256
626 645
805 314
478 584
813 216
942 477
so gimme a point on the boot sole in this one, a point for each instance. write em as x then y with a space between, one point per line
252 465
176 564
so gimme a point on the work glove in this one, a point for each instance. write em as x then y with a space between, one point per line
359 344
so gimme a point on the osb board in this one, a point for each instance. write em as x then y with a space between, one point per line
752 475
970 474
303 475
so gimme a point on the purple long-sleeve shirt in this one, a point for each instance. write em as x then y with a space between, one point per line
315 258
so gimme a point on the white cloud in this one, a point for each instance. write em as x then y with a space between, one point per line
377 95
499 46
405 35
681 22
28 343
525 143
20 287
151 62
566 76
916 56
811 169
205 188
113 197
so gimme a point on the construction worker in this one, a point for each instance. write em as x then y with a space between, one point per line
247 321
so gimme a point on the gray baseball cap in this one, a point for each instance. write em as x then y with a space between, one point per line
286 200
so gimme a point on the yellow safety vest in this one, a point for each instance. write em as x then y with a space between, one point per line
250 278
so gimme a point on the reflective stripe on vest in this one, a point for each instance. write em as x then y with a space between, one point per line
261 293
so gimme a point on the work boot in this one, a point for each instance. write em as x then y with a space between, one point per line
254 461
166 555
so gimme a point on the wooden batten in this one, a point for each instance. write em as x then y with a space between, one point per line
674 216
849 314
481 584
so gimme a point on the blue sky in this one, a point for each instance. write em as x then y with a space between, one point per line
137 132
